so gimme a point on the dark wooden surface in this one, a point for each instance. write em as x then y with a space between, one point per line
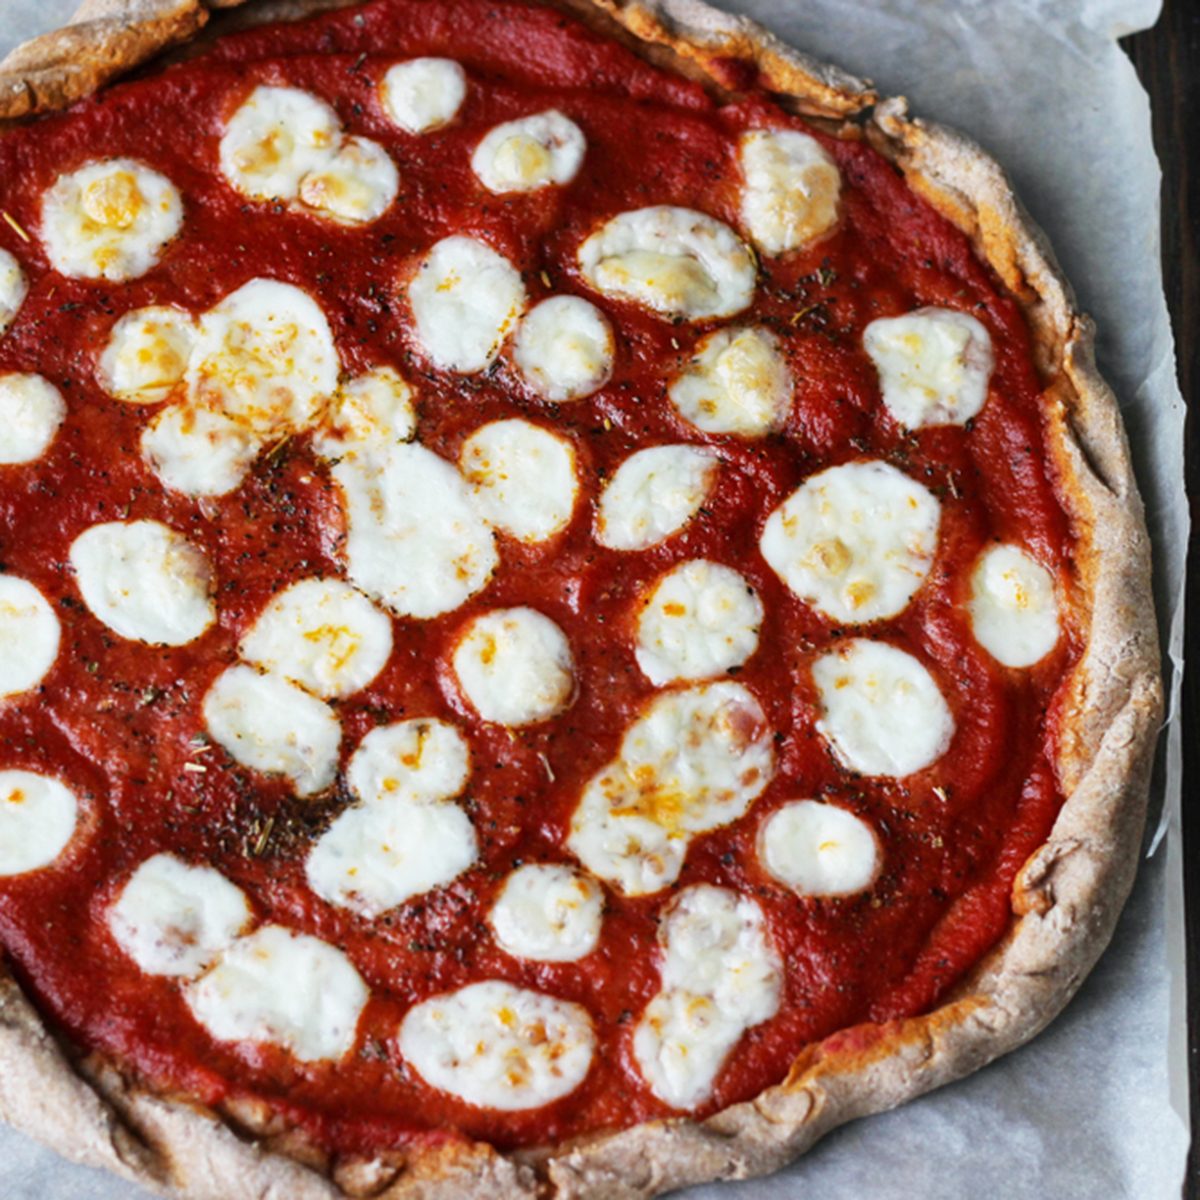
1168 61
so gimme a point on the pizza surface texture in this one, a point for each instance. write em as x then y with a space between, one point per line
573 610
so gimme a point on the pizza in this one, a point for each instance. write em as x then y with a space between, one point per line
574 612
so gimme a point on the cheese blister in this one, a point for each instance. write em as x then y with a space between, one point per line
881 710
495 1045
145 581
38 817
674 261
854 541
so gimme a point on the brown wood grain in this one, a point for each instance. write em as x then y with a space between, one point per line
1167 58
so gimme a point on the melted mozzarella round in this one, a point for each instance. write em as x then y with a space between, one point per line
423 93
381 854
737 382
547 912
147 354
109 220
819 849
498 1046
145 581
721 975
653 494
515 667
275 138
529 153
701 619
674 261
465 300
270 725
694 761
1014 612
31 411
564 349
523 476
286 144
354 185
881 710
854 541
373 411
423 759
934 365
284 988
323 635
415 541
29 636
13 288
174 919
198 452
38 815
790 194
264 356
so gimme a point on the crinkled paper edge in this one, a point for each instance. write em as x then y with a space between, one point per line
1067 897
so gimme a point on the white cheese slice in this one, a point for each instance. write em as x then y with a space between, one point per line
514 666
29 636
564 349
653 494
369 413
819 849
701 619
737 382
693 761
354 186
284 988
529 153
881 709
264 357
548 912
197 451
145 581
465 299
790 190
382 853
421 759
38 815
174 919
934 365
855 541
109 220
1014 611
286 144
495 1045
321 634
147 354
272 726
31 411
674 261
523 477
415 541
274 139
423 93
721 975
13 288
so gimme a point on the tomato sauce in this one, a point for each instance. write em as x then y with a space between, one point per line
120 721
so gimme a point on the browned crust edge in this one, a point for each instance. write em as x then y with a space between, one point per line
1068 895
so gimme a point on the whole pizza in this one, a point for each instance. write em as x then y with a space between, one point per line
573 609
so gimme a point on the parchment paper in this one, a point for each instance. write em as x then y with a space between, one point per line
1095 1108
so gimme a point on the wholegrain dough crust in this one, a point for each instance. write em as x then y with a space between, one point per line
1066 898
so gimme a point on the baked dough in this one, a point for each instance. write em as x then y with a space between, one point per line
1066 898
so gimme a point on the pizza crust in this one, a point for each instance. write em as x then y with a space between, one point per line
1067 897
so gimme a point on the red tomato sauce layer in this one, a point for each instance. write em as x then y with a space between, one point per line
119 720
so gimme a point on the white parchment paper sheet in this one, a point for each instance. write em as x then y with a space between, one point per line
1095 1108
